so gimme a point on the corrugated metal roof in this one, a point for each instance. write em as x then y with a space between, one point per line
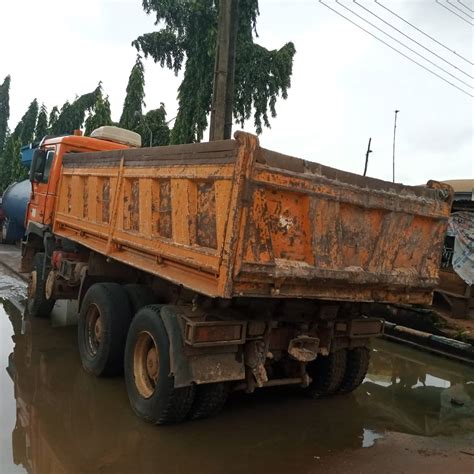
461 185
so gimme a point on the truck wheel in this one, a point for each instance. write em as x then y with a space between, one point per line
38 304
139 296
327 373
209 400
356 369
104 320
150 387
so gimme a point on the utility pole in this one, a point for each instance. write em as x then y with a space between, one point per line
393 152
367 157
224 71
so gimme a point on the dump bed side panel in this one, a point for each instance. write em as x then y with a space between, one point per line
163 210
312 231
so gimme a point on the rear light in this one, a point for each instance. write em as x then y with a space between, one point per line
214 333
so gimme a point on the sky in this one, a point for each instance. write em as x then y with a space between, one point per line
346 85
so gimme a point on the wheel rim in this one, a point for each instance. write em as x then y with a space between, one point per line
93 329
146 364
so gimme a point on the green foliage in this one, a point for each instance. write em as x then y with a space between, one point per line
25 129
41 124
11 169
4 111
53 118
99 116
71 116
134 99
153 128
189 31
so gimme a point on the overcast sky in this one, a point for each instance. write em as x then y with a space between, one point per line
345 86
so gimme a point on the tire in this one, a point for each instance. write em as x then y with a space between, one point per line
38 305
356 369
150 388
327 373
209 400
104 320
139 296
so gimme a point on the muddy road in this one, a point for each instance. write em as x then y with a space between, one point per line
413 413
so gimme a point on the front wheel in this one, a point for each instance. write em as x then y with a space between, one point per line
150 387
38 304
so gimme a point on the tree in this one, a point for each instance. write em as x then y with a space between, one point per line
4 111
11 168
53 118
25 129
41 124
134 100
99 116
189 31
71 116
154 129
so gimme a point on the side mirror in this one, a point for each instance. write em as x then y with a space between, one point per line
37 164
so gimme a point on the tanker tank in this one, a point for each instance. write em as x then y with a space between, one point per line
14 203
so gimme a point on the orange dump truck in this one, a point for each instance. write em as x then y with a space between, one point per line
205 268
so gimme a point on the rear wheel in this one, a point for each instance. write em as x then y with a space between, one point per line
150 387
104 320
356 369
38 304
139 296
209 400
327 373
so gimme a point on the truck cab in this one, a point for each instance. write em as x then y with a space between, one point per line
45 173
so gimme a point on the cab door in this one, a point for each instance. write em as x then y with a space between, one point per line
42 195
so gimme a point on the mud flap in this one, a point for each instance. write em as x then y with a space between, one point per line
205 365
179 363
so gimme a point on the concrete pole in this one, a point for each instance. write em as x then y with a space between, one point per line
224 71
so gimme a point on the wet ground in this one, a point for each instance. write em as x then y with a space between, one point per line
413 413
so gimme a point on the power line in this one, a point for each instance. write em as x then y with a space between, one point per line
411 39
460 9
465 6
395 49
422 32
454 13
404 45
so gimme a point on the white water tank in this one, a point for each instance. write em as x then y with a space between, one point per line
118 135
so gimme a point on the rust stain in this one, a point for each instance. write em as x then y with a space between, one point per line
206 215
85 209
106 200
164 223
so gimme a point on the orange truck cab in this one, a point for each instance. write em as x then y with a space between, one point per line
45 175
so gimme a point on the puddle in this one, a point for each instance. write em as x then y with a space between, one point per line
56 418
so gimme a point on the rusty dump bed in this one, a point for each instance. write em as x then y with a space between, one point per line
229 218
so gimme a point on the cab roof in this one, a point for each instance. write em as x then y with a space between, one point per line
88 143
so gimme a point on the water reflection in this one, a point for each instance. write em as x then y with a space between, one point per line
415 393
68 421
